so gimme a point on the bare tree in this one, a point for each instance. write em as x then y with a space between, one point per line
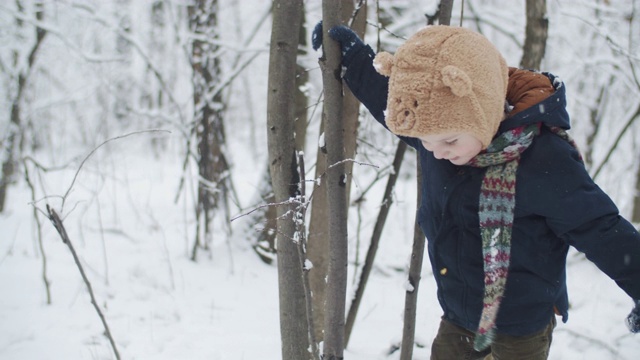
318 249
535 41
336 180
10 143
413 281
123 47
294 328
265 219
213 168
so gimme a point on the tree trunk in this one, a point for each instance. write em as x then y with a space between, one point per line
318 245
294 328
302 80
419 240
536 34
264 245
415 271
350 104
335 181
10 145
208 117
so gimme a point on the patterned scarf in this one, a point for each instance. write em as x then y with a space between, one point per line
497 203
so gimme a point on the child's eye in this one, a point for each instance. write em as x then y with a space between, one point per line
451 142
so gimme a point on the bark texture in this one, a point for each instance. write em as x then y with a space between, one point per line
335 181
535 41
294 329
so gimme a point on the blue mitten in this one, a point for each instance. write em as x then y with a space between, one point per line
349 41
316 36
633 320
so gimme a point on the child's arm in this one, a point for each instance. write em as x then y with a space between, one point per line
366 84
559 188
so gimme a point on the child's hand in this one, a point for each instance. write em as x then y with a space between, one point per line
316 36
349 41
633 320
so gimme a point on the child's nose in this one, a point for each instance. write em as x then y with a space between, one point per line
440 153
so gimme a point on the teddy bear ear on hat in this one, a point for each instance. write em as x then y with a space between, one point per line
457 80
383 63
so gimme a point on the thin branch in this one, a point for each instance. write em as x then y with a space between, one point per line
387 199
624 130
350 160
609 40
288 202
47 284
139 49
300 217
295 200
59 226
64 197
377 26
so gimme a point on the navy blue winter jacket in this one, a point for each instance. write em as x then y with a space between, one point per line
557 205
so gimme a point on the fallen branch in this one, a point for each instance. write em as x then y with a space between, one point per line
57 223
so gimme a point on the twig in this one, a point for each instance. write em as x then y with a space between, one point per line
387 199
64 197
377 26
624 130
57 223
299 218
350 160
293 200
287 202
47 284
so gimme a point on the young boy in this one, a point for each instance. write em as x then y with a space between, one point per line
504 191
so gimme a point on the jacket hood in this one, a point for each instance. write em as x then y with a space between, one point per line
549 110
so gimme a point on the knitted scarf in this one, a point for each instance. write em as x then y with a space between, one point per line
497 203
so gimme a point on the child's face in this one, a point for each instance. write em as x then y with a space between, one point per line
457 147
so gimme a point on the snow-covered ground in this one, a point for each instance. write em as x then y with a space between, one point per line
134 242
134 239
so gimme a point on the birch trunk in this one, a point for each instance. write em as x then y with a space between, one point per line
335 181
294 328
318 249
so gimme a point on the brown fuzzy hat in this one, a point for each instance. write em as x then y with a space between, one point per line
445 79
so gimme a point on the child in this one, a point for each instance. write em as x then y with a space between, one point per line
504 190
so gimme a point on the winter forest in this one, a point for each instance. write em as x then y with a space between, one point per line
139 213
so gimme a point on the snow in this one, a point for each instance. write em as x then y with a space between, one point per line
308 265
161 305
408 286
134 239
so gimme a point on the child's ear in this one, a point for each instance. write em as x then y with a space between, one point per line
457 80
383 63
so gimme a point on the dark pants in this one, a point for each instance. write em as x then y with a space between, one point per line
455 343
